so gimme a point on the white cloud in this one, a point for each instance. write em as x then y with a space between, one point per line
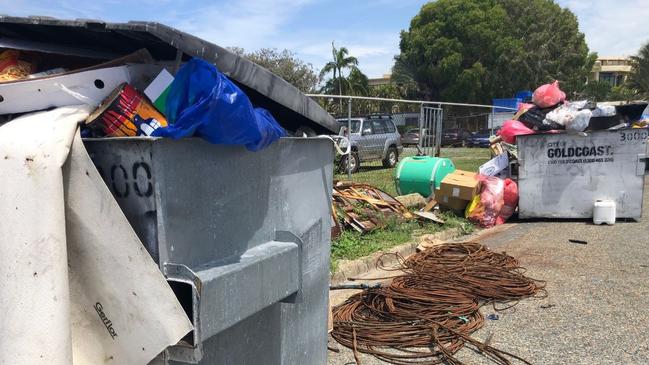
248 24
612 28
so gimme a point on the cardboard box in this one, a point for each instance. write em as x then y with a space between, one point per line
452 203
460 184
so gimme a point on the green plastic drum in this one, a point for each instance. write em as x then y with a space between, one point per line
417 174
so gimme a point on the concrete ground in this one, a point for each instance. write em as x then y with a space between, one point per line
597 309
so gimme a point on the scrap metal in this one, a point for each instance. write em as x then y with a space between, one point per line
432 306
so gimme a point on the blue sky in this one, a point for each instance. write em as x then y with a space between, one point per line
370 29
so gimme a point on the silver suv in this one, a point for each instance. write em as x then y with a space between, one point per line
372 138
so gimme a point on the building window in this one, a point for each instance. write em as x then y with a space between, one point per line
607 77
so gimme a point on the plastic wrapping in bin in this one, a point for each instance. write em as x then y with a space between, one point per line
624 114
204 102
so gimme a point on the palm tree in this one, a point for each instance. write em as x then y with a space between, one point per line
639 76
341 60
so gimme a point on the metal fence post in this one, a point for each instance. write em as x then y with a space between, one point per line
349 136
493 119
421 128
438 131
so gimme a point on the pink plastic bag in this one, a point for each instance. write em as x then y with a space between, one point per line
511 129
510 201
491 201
524 106
548 95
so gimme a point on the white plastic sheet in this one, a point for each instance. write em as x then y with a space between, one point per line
76 284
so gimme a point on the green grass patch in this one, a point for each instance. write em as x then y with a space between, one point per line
374 173
352 245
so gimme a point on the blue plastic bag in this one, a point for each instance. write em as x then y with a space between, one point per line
204 102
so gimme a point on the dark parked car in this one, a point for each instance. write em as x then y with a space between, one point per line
455 137
480 138
411 137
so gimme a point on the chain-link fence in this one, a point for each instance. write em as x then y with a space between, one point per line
379 127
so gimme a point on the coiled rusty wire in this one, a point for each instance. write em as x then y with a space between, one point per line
428 313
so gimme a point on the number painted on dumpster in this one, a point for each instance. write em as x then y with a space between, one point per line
120 191
122 184
633 136
142 166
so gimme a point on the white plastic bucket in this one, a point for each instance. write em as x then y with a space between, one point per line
604 212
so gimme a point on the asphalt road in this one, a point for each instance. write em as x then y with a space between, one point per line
597 309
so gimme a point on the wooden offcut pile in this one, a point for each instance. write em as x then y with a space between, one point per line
364 207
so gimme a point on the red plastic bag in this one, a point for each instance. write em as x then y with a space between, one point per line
510 201
511 129
548 95
491 201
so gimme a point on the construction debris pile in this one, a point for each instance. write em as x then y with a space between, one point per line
364 207
432 306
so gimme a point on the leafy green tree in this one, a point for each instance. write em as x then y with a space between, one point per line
639 77
387 91
284 64
476 50
358 82
621 93
341 60
404 81
597 90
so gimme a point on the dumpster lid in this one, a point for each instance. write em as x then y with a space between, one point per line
105 41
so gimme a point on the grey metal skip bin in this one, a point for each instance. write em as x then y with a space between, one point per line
103 41
243 238
562 175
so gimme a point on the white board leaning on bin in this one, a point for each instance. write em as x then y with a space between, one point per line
563 175
72 88
495 165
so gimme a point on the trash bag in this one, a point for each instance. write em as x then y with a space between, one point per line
511 129
562 115
604 111
473 205
572 116
581 104
510 201
535 118
204 102
491 201
548 95
581 121
524 106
